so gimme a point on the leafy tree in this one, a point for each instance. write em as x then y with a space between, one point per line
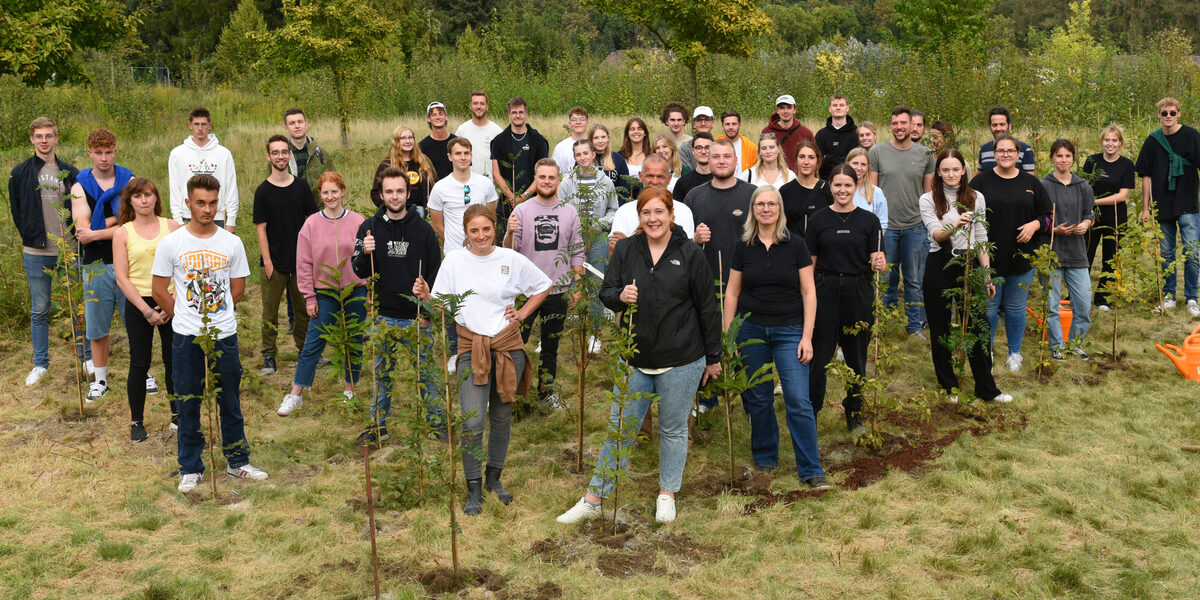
693 29
239 51
932 26
41 40
342 36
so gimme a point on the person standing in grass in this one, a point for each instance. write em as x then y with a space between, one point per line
408 251
1073 201
772 168
771 285
844 242
676 329
745 150
324 251
405 154
838 137
307 159
702 122
207 266
141 228
635 146
489 332
481 131
787 128
564 154
1000 124
95 203
868 196
1111 176
514 152
547 232
952 232
1169 163
807 193
1018 210
282 203
202 154
37 189
436 144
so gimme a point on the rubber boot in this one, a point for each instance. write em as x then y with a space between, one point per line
491 479
474 503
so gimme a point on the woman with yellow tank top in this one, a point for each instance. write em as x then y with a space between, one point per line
134 242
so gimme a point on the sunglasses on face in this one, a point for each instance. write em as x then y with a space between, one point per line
1169 113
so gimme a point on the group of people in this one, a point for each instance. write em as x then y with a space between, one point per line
793 232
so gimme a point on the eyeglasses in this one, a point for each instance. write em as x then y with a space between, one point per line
1013 151
765 205
701 148
1169 113
279 152
466 194
578 119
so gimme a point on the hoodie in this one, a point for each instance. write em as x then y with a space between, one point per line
404 248
835 144
789 138
188 159
1073 203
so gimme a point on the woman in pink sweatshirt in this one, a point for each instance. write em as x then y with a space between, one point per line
324 273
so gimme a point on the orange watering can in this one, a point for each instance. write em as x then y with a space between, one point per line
1064 318
1186 359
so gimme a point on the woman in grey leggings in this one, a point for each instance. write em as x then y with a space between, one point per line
487 320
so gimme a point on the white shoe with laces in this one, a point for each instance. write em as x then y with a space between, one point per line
247 471
582 510
97 391
1014 362
664 511
36 375
289 405
151 385
1167 304
190 482
1193 308
1003 398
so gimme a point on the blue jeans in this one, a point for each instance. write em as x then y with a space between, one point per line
39 274
101 297
1079 286
779 347
188 370
1189 231
328 310
675 390
1013 296
394 330
906 251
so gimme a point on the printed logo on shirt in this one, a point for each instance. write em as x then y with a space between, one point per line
737 212
545 232
675 261
840 231
414 177
398 249
202 167
504 269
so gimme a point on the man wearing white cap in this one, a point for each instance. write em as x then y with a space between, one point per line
434 144
702 122
787 129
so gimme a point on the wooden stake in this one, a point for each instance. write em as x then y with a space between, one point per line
371 519
728 416
75 342
450 454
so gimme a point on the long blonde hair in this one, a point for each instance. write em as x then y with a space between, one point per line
396 155
868 188
604 160
780 161
750 229
675 162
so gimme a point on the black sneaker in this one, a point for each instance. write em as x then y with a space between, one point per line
137 432
372 436
268 365
1081 354
764 468
854 425
1056 354
817 483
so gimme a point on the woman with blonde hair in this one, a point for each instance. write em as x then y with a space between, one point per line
868 134
1112 180
771 168
405 153
868 196
612 163
665 147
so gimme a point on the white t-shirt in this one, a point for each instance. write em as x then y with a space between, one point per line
481 145
751 175
495 282
564 155
451 197
626 220
201 269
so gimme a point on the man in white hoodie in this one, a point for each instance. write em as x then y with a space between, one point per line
202 154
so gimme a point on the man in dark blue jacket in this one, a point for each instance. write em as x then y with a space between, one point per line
37 192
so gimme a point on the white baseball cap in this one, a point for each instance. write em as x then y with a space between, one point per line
436 104
785 99
702 111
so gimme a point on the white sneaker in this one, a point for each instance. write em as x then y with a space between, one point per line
1003 398
1193 308
952 399
1167 304
594 345
582 510
347 396
190 482
664 511
1103 308
290 403
96 391
1014 362
452 364
779 389
151 385
36 375
246 471
700 410
91 367
840 357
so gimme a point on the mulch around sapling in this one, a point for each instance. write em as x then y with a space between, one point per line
441 580
631 550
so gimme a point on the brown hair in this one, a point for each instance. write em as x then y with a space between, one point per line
43 123
204 181
806 143
966 195
604 160
673 107
101 139
627 146
137 185
479 210
277 138
458 141
198 112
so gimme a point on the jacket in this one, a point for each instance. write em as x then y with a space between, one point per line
789 138
835 144
25 200
677 319
1073 203
404 248
315 165
188 159
323 245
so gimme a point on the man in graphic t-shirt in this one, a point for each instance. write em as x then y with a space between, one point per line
208 268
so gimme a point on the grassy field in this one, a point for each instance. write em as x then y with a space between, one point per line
1092 498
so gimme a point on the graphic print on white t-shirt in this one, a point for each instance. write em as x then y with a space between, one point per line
204 287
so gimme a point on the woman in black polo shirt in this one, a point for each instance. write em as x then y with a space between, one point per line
846 244
771 283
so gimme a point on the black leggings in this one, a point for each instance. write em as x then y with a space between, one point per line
553 312
1103 235
842 302
141 342
939 277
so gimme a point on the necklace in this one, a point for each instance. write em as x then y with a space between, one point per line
846 218
518 139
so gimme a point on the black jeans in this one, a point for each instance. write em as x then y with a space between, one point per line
939 277
842 301
553 312
141 343
1103 235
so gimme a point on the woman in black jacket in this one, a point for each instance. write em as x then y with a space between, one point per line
677 330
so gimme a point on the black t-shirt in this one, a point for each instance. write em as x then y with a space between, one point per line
517 154
438 153
725 212
771 281
843 242
1153 162
1012 203
799 203
689 182
284 210
1113 176
99 250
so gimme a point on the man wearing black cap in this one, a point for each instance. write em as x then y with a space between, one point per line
434 144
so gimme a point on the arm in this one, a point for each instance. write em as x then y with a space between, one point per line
700 278
121 271
498 178
229 189
1147 198
875 177
260 230
527 309
614 284
1120 197
237 289
81 214
362 261
808 290
927 182
177 180
165 300
439 224
733 289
